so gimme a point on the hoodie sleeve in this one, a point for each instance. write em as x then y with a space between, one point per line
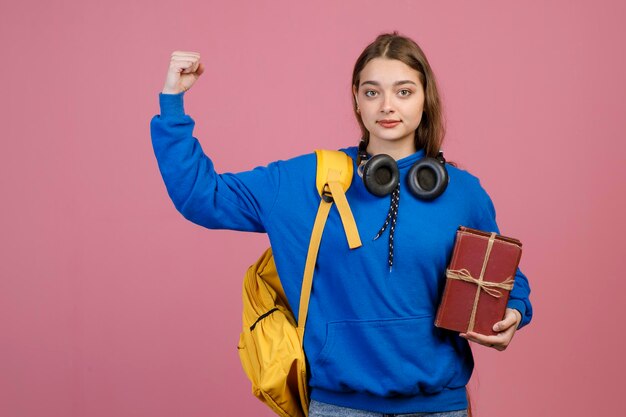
519 295
241 201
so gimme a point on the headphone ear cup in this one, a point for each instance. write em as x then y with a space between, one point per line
428 178
381 175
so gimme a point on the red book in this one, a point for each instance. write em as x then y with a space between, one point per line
479 279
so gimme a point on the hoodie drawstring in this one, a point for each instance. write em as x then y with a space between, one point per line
392 216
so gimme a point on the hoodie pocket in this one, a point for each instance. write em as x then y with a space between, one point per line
388 357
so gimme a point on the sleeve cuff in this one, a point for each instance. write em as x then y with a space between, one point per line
171 104
519 306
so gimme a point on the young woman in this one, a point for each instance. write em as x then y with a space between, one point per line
370 340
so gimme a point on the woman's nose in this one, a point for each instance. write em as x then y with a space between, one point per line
386 105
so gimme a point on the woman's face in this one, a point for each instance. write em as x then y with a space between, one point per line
391 101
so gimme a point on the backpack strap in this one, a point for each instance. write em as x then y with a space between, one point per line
334 175
336 160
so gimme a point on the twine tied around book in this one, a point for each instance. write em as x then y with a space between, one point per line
487 286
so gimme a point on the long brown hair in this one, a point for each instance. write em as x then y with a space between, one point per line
431 130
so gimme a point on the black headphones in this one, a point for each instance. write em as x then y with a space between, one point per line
427 178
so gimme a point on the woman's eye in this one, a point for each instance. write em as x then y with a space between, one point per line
405 93
370 93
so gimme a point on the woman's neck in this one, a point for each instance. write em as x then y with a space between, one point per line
396 149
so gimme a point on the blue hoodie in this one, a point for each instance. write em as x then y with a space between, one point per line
370 338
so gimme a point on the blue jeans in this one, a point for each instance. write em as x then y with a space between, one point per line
319 409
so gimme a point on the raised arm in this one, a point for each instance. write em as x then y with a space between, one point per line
241 201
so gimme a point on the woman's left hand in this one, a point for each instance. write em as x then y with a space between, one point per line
505 328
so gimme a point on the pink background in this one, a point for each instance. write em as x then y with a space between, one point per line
111 304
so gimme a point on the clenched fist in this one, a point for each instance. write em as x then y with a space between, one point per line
185 68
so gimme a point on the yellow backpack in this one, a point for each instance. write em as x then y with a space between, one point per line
270 344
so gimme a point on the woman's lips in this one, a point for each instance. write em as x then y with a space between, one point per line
388 123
